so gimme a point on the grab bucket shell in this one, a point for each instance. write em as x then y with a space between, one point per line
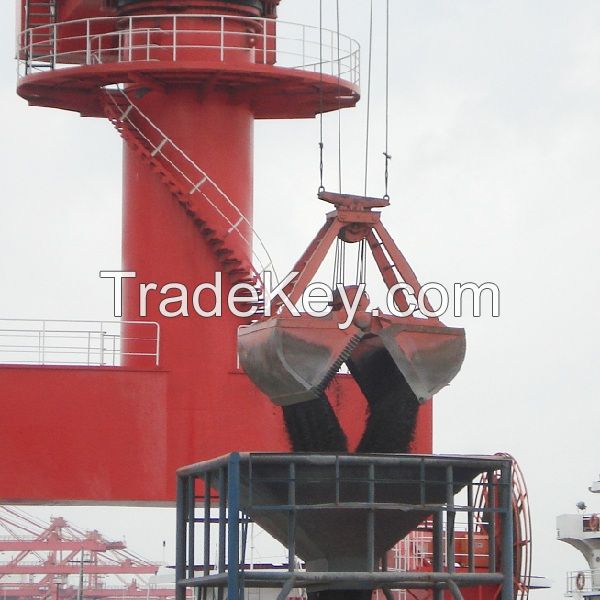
293 359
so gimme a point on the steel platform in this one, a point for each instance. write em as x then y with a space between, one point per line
339 514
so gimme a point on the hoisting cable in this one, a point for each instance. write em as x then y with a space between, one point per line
364 262
339 264
321 186
369 98
361 263
340 246
387 154
335 266
339 95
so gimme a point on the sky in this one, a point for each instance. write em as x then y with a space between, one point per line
495 139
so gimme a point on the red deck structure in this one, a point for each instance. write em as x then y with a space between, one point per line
183 82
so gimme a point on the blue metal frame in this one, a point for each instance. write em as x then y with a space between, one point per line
224 475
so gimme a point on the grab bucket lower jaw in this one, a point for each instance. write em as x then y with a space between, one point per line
428 356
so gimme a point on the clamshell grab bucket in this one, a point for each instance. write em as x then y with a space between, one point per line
293 359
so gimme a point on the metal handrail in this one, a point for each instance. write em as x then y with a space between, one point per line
77 342
196 177
130 39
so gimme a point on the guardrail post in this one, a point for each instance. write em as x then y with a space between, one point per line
233 533
222 39
303 47
174 38
89 345
30 53
130 37
102 333
507 531
88 44
438 550
181 541
490 516
371 521
43 361
470 530
332 49
191 527
222 560
292 516
265 24
157 344
54 47
207 524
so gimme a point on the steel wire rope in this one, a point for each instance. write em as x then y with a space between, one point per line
361 260
387 154
361 263
335 265
370 62
339 95
321 103
339 265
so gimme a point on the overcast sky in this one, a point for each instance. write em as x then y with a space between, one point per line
495 138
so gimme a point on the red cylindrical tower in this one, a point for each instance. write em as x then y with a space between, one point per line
183 82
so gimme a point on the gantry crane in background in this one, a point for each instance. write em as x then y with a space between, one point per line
57 560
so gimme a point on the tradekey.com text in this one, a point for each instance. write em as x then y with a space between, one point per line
209 299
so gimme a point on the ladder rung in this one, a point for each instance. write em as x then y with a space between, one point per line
158 148
199 185
235 226
126 112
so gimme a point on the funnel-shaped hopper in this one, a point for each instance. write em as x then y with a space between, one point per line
293 359
337 506
429 356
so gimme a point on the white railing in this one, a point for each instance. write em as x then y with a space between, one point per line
583 582
89 343
180 38
410 554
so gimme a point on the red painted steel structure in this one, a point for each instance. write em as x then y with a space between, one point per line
124 431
